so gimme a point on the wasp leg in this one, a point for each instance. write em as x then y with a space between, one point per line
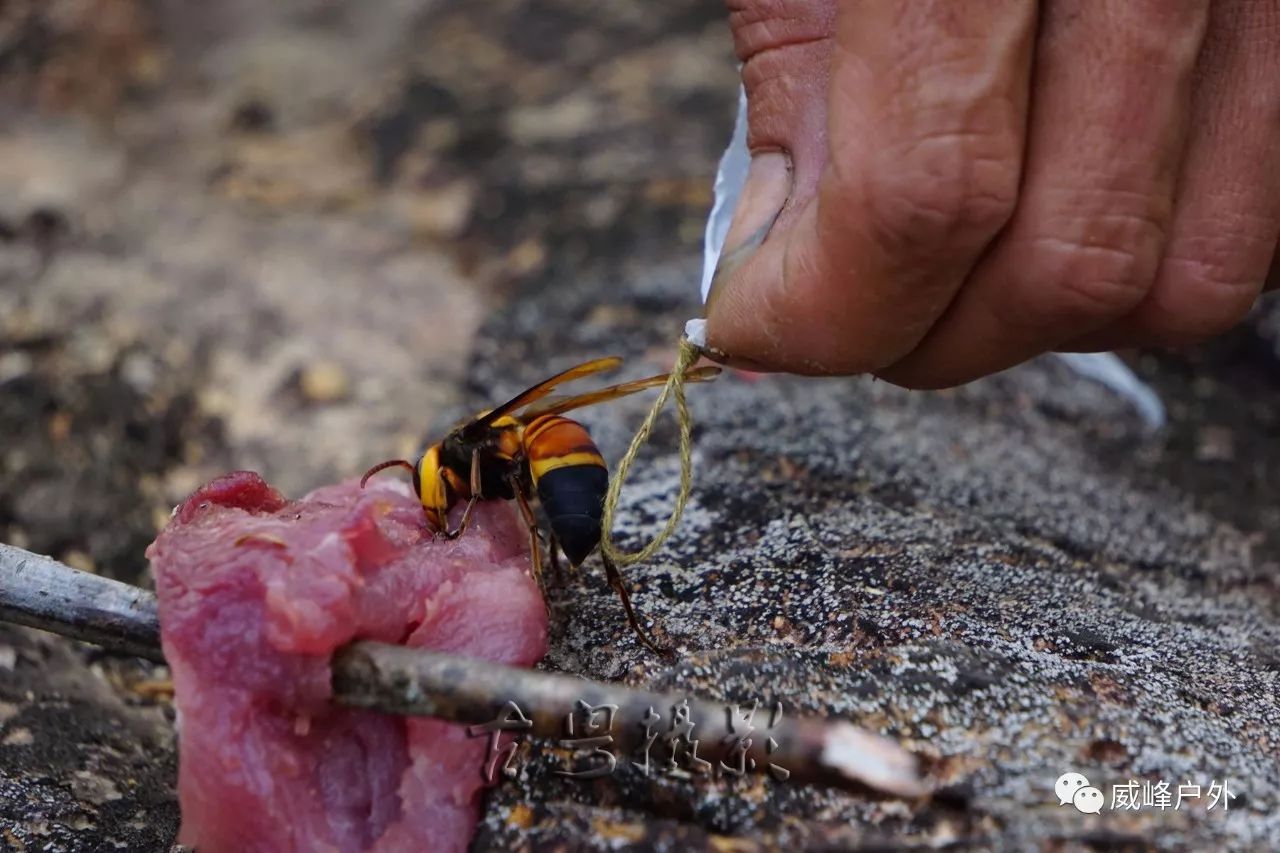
535 536
615 581
554 549
471 504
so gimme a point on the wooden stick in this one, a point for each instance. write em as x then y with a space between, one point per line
42 593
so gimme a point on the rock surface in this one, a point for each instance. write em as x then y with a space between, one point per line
284 237
1013 579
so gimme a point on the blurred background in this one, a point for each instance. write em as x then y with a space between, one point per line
263 235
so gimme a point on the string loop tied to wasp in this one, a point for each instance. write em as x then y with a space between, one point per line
689 353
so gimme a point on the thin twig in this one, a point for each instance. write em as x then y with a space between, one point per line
413 681
42 593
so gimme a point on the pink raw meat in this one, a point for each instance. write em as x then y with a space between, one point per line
257 591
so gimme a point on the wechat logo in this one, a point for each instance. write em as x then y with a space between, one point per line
1074 789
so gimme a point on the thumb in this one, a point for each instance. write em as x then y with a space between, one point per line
785 48
764 193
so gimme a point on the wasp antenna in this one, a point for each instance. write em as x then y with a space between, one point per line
382 466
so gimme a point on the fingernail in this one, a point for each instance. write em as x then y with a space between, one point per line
763 196
737 362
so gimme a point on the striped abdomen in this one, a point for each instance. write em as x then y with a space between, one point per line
571 478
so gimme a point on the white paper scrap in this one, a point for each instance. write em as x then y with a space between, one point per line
730 178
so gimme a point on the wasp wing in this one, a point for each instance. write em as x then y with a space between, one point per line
560 405
542 389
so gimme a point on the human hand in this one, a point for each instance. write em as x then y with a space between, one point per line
955 186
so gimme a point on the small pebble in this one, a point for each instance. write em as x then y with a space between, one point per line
19 737
527 257
1215 444
324 382
139 372
79 560
14 365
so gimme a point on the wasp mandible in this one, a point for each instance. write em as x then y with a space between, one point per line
526 448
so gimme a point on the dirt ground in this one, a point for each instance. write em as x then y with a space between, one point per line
299 236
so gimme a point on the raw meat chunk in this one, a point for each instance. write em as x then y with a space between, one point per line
257 591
